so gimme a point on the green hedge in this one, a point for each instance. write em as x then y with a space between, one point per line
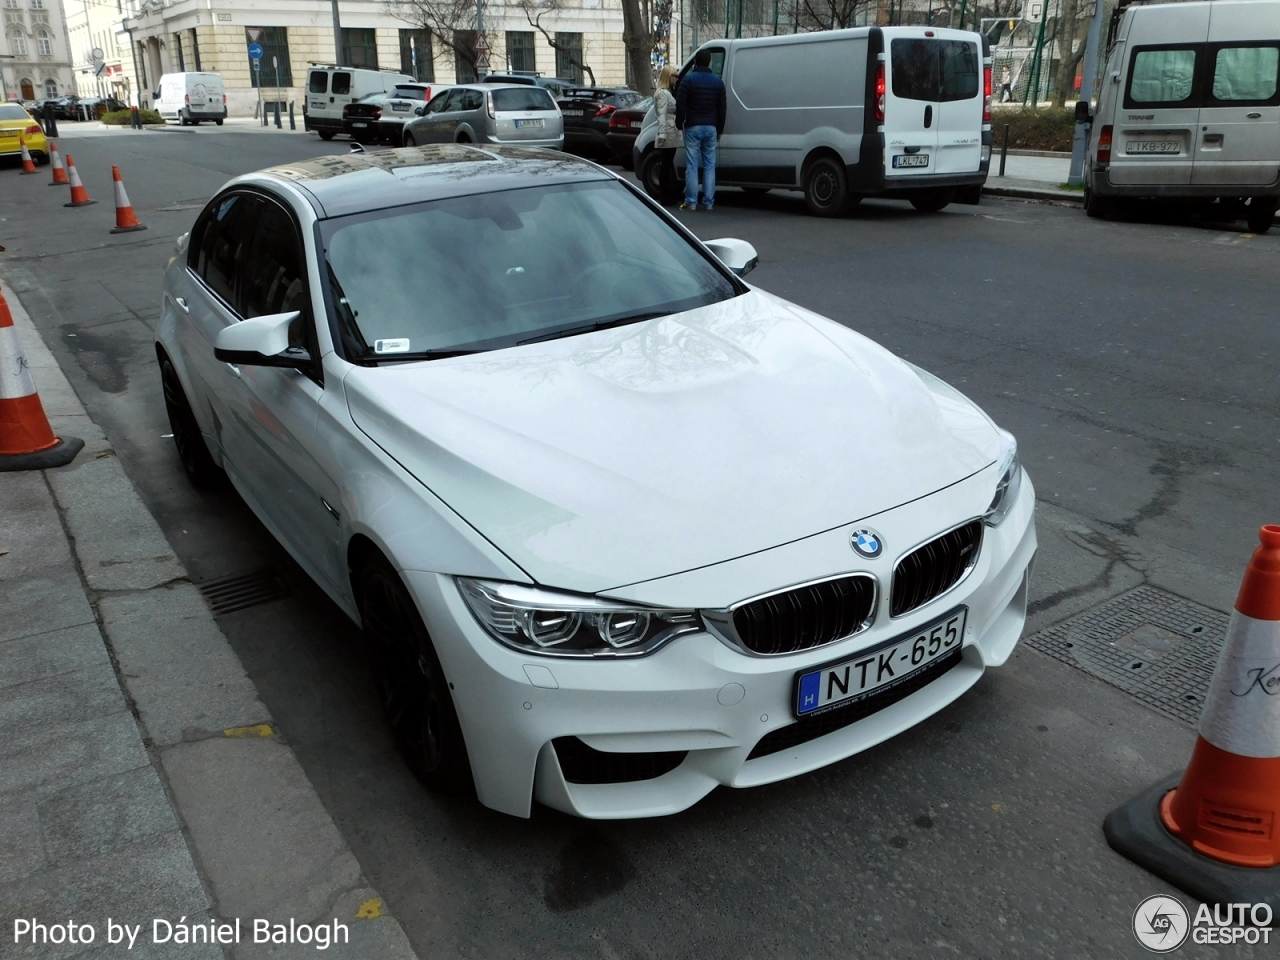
121 118
1035 129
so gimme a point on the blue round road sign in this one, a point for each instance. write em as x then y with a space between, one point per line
255 51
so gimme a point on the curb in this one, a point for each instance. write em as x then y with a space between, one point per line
237 830
1033 193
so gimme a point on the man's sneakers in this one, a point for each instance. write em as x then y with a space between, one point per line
693 206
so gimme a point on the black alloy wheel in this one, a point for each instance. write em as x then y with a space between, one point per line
826 191
411 684
931 201
193 452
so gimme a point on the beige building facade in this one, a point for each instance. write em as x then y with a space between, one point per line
169 37
36 61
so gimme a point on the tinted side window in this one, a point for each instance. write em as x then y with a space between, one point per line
472 100
224 247
959 68
438 103
342 83
915 69
319 82
274 270
717 63
455 102
1162 76
1246 74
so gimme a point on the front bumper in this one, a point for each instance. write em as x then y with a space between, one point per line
697 694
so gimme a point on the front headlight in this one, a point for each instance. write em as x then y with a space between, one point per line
553 624
1007 487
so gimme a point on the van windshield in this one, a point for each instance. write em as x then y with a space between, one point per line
934 70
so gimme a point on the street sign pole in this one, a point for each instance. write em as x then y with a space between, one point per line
1088 83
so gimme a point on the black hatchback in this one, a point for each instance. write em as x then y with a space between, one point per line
586 113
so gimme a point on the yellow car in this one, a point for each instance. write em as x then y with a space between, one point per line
17 124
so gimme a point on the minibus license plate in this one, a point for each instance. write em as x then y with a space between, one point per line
877 670
529 123
911 160
1153 146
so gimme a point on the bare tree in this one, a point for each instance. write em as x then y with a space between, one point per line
452 22
638 37
534 11
1072 34
828 14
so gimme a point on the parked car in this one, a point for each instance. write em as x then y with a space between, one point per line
1191 112
16 125
489 113
191 98
586 113
362 120
489 487
65 108
97 107
625 125
554 85
901 112
399 108
330 88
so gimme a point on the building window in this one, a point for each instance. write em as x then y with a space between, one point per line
464 56
36 4
18 44
177 43
45 44
275 43
51 88
195 48
359 47
520 55
415 55
569 56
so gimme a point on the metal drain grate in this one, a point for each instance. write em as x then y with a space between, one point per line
1153 645
229 594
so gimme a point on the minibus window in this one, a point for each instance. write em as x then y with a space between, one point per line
915 70
1162 76
342 83
1246 73
319 82
959 69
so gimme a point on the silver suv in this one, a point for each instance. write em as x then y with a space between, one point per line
488 113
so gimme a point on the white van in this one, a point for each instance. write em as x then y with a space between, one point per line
191 97
1189 109
845 114
331 88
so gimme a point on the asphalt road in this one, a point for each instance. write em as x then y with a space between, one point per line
1134 360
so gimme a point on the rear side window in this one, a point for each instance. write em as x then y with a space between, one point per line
1246 74
934 70
527 98
342 83
225 237
319 82
1162 76
472 100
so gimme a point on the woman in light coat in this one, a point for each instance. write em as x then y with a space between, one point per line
668 137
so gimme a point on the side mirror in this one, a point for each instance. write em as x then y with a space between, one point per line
418 111
738 255
261 342
1083 113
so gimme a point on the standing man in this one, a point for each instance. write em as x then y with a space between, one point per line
700 107
1006 85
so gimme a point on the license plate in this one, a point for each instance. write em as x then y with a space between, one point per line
359 124
572 113
529 123
637 124
1153 146
878 670
400 107
911 160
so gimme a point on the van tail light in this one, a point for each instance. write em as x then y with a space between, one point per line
606 110
188 98
1104 145
880 93
986 93
224 99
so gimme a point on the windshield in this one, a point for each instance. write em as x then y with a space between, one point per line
524 98
497 269
10 111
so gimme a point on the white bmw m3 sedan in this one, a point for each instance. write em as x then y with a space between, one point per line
618 527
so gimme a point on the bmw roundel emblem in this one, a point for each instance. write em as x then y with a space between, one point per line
867 543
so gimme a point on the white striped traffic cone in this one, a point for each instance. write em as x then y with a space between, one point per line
28 166
79 195
55 163
126 222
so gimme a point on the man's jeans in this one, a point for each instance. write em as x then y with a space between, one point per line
700 151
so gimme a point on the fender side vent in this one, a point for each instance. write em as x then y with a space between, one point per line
583 764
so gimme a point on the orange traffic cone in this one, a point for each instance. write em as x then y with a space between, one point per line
55 162
79 195
26 440
1216 833
125 220
28 166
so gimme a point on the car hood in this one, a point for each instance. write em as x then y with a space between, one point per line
623 455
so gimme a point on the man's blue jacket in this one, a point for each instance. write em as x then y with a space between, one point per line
700 100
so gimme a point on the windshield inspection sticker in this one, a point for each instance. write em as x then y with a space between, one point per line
391 346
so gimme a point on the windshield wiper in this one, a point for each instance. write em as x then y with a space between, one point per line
423 355
597 325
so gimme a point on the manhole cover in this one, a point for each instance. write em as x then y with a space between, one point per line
229 594
1153 645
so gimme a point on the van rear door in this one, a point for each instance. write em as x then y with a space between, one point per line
1239 137
911 106
959 107
317 91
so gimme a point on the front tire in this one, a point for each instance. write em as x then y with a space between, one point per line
193 452
931 201
658 175
1261 214
826 188
408 140
411 684
326 134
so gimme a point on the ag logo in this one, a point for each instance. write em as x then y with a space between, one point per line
1161 924
867 543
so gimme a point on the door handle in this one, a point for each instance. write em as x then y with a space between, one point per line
928 116
181 301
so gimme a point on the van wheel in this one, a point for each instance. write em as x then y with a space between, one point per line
411 684
659 177
326 134
1095 206
1261 214
931 201
218 122
826 189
